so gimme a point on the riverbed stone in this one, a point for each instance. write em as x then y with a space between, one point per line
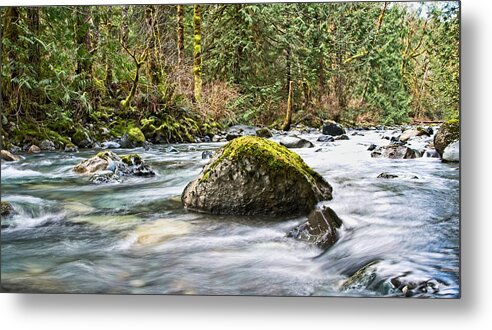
320 228
293 142
47 145
263 132
8 156
207 154
81 138
342 137
446 134
452 152
252 175
110 167
332 128
34 149
5 208
395 151
325 138
411 133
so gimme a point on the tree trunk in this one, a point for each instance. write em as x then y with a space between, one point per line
197 54
150 15
34 51
83 42
180 31
124 26
288 114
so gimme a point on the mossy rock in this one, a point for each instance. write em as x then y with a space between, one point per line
447 133
253 175
81 138
5 208
136 135
131 159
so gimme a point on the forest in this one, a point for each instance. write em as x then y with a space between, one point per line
177 72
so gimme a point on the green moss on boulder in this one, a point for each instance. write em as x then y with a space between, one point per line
136 135
447 133
253 175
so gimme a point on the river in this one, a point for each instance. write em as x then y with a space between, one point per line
71 236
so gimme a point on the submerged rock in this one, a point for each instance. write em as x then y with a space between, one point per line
110 145
252 175
5 208
386 175
332 128
8 156
374 278
446 134
207 154
105 177
160 230
395 151
452 152
107 167
342 137
320 228
325 138
295 142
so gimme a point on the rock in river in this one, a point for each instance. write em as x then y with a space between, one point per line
34 149
320 228
263 132
447 133
395 151
295 142
452 152
5 208
253 175
332 128
8 156
419 131
107 167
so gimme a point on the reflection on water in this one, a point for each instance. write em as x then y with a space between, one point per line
72 236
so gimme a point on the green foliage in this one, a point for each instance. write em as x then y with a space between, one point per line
69 67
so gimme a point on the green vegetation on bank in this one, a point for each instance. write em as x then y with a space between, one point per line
172 73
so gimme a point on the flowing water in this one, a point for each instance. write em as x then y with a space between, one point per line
69 235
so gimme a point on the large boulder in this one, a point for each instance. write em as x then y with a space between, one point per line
452 152
332 128
295 142
8 156
320 228
419 131
447 133
253 175
395 151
